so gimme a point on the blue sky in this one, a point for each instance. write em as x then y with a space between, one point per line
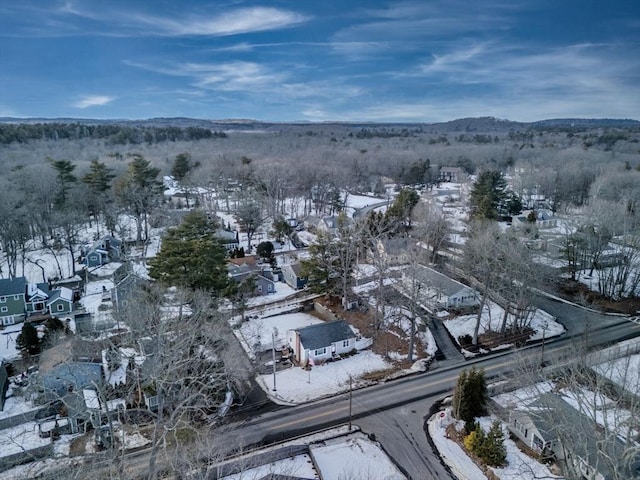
429 60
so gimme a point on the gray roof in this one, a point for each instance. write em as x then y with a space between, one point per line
438 281
14 286
77 375
556 419
324 334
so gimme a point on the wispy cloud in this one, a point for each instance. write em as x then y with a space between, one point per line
243 20
74 18
93 101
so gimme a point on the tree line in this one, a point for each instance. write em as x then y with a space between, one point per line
112 133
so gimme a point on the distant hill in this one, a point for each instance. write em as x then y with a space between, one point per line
472 124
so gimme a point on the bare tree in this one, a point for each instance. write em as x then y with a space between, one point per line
432 227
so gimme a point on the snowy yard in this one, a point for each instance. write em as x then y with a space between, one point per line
519 465
541 322
296 385
335 454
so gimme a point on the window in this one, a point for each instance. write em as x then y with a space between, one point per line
345 343
3 299
16 297
60 307
4 309
320 351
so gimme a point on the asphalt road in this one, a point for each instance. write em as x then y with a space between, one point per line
395 411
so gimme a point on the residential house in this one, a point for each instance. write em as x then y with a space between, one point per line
439 291
12 300
60 302
262 276
550 425
544 219
69 377
126 285
293 275
330 224
319 342
312 222
395 250
106 250
229 240
36 298
451 174
42 301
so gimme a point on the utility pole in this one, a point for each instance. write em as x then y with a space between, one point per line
273 357
350 399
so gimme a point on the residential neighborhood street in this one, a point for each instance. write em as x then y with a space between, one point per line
395 411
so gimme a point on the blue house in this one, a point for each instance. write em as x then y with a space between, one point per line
106 250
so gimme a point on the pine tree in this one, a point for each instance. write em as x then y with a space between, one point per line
493 451
64 177
470 395
28 340
458 393
181 166
191 256
487 194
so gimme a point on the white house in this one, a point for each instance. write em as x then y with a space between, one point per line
438 290
321 341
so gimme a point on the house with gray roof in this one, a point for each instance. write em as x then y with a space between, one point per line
105 250
319 342
550 425
293 275
439 291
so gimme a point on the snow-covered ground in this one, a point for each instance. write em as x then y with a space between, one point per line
519 465
542 323
296 385
8 337
334 454
257 332
623 371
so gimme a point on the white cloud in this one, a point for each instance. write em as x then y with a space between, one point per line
243 20
93 101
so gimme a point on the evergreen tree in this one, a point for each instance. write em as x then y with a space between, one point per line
476 438
265 251
399 213
492 449
320 268
99 177
64 178
470 395
138 190
28 340
192 256
487 194
181 166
